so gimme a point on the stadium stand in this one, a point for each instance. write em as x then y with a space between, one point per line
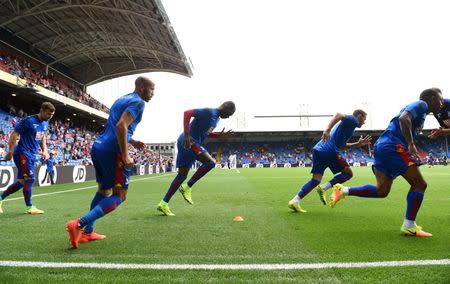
19 65
268 148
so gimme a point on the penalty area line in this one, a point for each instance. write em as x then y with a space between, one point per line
275 266
83 188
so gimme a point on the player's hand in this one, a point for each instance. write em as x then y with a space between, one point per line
187 141
227 134
413 151
128 161
435 133
138 144
325 136
8 156
363 141
45 156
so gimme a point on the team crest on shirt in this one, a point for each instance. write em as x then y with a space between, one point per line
23 162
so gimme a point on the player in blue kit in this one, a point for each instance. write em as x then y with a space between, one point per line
50 171
111 160
32 132
328 154
396 154
190 150
443 117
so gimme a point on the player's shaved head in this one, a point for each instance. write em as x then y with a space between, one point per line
430 93
142 81
144 87
433 98
226 109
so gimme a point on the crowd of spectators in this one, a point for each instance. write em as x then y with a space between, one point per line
70 144
261 153
300 153
148 157
34 74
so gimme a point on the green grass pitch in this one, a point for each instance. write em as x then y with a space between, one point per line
357 230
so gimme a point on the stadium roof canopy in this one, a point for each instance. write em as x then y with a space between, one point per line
91 41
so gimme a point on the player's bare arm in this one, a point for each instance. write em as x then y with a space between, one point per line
122 128
13 138
406 126
44 148
435 133
363 141
138 144
221 134
336 118
187 140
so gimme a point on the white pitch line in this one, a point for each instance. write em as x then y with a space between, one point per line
237 171
275 266
80 188
50 193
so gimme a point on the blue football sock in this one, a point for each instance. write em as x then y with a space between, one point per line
201 171
307 187
95 201
413 201
105 206
367 190
28 192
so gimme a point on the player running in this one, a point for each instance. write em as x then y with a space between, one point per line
396 154
32 132
328 154
112 161
190 150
